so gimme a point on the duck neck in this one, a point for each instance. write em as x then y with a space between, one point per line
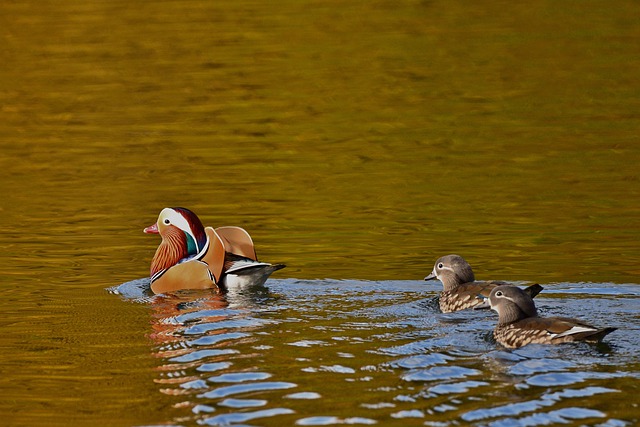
512 313
457 277
172 249
449 284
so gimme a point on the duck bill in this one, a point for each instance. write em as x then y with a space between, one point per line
483 305
152 229
431 276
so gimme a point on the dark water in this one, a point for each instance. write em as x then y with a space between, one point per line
357 142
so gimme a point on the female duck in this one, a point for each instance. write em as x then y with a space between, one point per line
519 324
461 291
191 256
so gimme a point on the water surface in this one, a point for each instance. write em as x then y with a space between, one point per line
357 142
330 352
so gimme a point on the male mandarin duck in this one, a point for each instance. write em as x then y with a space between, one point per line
519 324
191 256
461 291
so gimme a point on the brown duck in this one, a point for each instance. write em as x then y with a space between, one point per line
461 291
519 324
191 256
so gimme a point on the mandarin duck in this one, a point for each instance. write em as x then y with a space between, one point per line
461 291
191 256
519 324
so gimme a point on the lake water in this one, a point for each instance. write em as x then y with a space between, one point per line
357 142
333 352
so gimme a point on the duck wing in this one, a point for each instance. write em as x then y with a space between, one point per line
192 274
214 253
239 265
554 330
576 330
467 295
237 241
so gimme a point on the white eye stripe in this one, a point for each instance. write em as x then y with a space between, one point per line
182 223
502 296
174 218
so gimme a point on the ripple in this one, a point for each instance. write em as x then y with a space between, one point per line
585 392
444 408
380 405
211 367
234 417
262 347
560 416
201 354
243 403
202 328
204 314
398 370
519 408
303 395
456 388
413 413
505 356
325 421
338 369
138 290
414 347
533 366
345 355
421 361
195 384
240 377
214 339
440 373
405 398
199 409
561 378
506 410
308 343
246 388
555 379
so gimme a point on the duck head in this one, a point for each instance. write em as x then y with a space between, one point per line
182 235
512 304
451 270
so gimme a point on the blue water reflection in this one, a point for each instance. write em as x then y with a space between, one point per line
330 352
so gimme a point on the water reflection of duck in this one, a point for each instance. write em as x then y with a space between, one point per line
173 314
519 324
191 256
461 291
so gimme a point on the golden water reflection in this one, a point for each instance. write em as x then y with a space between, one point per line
358 140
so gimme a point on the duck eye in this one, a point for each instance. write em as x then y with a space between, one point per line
499 293
440 265
167 221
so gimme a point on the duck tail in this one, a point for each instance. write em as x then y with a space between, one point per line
533 290
599 334
276 267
